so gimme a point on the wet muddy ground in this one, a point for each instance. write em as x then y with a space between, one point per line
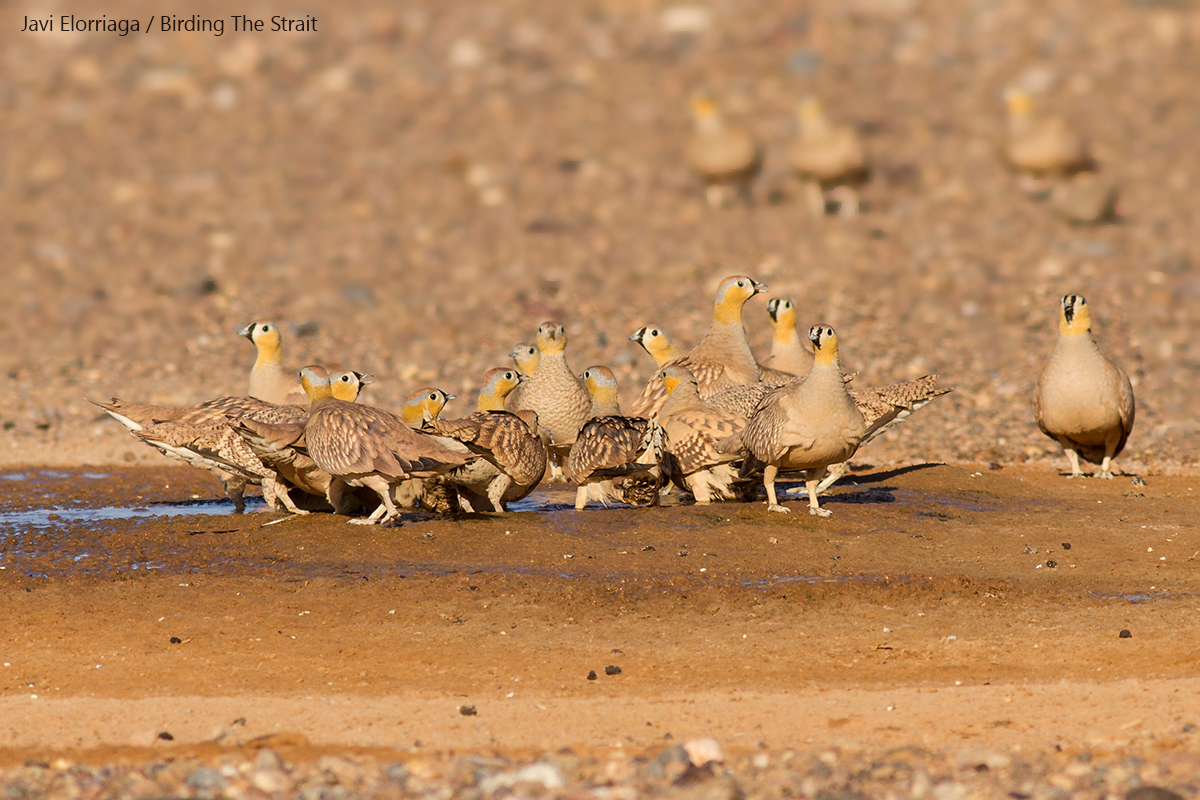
941 607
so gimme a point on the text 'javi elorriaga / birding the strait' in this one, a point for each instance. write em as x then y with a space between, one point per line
168 23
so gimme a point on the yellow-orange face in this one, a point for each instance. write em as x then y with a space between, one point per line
810 109
782 312
265 337
1076 317
703 106
732 295
601 383
1019 102
315 380
825 344
551 338
424 403
498 382
346 385
527 358
655 342
675 376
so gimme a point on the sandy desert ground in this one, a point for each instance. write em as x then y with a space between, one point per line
410 191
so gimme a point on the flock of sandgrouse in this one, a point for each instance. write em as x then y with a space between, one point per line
831 161
710 422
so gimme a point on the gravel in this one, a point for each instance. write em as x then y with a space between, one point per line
830 774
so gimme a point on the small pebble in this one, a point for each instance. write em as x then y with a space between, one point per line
591 675
166 736
1066 545
467 711
612 669
703 751
176 640
1125 634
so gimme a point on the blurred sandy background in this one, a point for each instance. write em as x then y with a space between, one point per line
413 189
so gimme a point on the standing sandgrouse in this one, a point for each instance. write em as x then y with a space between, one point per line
615 457
513 458
693 429
828 158
721 154
367 446
805 425
654 340
788 352
268 379
722 359
1083 401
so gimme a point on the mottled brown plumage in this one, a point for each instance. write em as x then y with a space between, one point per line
722 359
140 417
217 448
881 406
614 457
885 406
513 458
431 494
276 436
512 448
367 446
692 460
553 391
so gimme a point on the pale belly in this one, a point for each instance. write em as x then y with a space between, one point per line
818 456
476 476
1077 413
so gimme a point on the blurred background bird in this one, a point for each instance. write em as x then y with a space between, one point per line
722 155
828 158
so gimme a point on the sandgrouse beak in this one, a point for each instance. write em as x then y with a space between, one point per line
247 331
759 288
